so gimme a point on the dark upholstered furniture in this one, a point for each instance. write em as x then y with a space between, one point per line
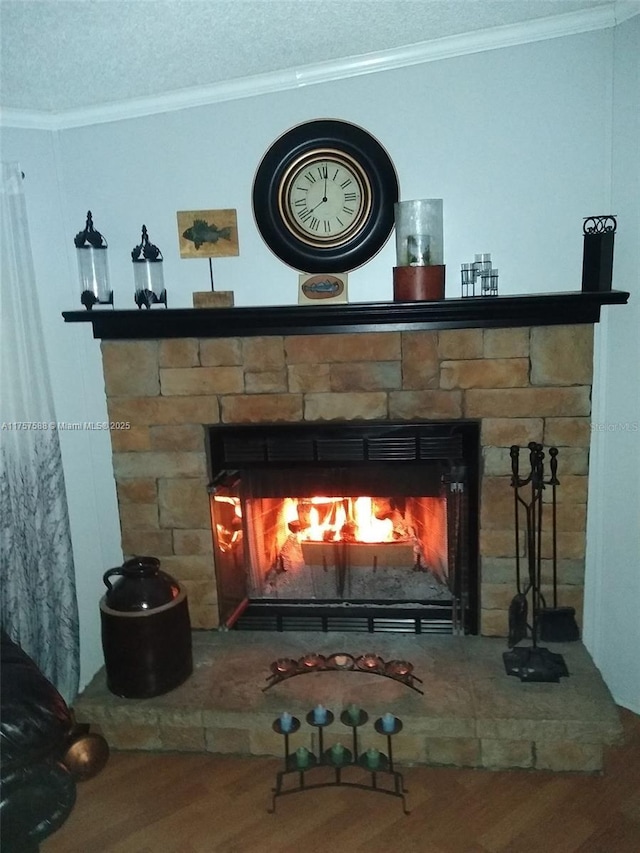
37 730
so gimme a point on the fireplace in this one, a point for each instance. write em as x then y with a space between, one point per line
353 526
520 367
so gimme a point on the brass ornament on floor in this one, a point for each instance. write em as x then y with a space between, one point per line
87 756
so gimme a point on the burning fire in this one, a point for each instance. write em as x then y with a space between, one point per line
322 519
231 530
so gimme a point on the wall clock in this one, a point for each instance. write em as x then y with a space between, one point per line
323 196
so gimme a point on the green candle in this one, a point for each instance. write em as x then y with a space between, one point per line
337 752
302 756
373 758
354 713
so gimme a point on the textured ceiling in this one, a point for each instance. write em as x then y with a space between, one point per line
59 55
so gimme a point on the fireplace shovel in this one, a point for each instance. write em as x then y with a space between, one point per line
556 624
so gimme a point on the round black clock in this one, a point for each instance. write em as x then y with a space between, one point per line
323 196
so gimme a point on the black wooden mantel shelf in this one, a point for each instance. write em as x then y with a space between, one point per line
545 309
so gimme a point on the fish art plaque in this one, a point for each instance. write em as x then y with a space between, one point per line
207 233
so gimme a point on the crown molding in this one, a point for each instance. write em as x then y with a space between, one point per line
511 35
625 9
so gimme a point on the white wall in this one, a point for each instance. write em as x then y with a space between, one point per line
612 593
517 142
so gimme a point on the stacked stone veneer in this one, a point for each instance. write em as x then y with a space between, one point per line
523 384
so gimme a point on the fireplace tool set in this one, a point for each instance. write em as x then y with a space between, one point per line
550 624
328 766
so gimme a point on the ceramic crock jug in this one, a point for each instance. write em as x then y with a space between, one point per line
141 585
146 631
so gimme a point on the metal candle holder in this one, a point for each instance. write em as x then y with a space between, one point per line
329 765
481 273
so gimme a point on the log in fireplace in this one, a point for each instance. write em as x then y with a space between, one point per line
358 526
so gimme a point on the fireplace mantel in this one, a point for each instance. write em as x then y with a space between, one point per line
546 309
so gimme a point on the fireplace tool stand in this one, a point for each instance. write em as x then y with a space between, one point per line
532 663
328 768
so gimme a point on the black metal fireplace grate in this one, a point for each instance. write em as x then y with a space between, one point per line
370 617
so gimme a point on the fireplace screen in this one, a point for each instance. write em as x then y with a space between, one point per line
321 521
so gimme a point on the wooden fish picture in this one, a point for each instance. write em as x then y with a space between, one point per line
208 233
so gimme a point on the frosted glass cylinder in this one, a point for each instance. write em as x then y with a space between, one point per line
148 276
419 233
93 271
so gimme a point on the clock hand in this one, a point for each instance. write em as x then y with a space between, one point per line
322 201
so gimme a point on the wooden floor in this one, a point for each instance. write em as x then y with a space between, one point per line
186 803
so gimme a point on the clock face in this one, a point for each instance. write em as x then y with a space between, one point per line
325 198
324 195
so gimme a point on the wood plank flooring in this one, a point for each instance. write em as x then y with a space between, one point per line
196 803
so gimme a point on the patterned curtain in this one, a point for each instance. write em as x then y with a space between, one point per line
38 606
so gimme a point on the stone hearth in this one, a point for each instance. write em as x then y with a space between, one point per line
471 714
522 384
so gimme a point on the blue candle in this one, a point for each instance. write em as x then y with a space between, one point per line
286 721
320 714
388 722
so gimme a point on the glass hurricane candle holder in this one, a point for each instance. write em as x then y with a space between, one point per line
93 269
419 274
147 273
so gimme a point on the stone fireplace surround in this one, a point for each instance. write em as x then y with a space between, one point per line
521 382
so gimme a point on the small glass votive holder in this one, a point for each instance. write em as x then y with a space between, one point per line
483 262
320 715
468 280
489 283
388 722
286 721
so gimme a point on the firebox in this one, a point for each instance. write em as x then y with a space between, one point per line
357 526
